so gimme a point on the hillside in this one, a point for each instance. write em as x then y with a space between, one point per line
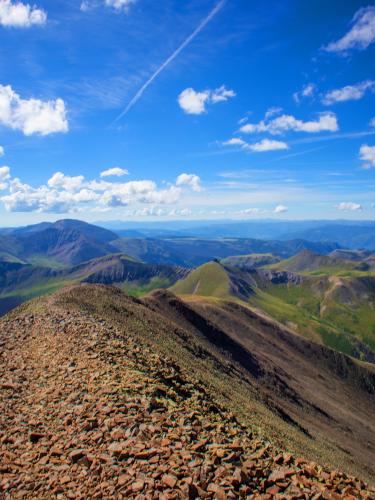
116 396
65 242
20 282
333 305
312 262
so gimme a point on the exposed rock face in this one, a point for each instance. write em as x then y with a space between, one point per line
88 411
280 277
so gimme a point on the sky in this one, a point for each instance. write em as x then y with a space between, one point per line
186 109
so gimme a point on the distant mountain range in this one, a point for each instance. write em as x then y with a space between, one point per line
70 242
347 234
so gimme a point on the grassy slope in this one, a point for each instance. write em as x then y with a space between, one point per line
207 280
43 286
309 308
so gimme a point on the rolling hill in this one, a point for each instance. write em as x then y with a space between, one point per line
20 282
117 396
323 298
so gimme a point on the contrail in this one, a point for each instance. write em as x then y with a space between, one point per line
189 39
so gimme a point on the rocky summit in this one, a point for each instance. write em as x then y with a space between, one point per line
91 408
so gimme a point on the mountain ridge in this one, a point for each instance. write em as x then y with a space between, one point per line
104 363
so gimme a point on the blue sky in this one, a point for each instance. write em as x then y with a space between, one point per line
196 109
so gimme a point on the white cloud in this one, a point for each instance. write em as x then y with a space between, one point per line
235 141
272 112
114 172
326 122
257 147
280 209
4 174
31 116
360 36
64 194
306 91
367 154
120 4
372 122
267 145
349 206
2 152
349 92
194 103
19 15
221 94
191 180
60 180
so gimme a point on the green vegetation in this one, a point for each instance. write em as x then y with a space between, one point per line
208 280
329 305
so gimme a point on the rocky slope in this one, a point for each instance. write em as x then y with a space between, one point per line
104 396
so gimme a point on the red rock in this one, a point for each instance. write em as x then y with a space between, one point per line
115 448
169 480
122 479
137 486
273 490
280 474
76 455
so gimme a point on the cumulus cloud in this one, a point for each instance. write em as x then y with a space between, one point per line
190 180
349 92
349 206
326 122
267 145
306 91
280 209
361 34
31 116
19 15
2 152
64 194
114 172
59 180
367 155
194 103
120 4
